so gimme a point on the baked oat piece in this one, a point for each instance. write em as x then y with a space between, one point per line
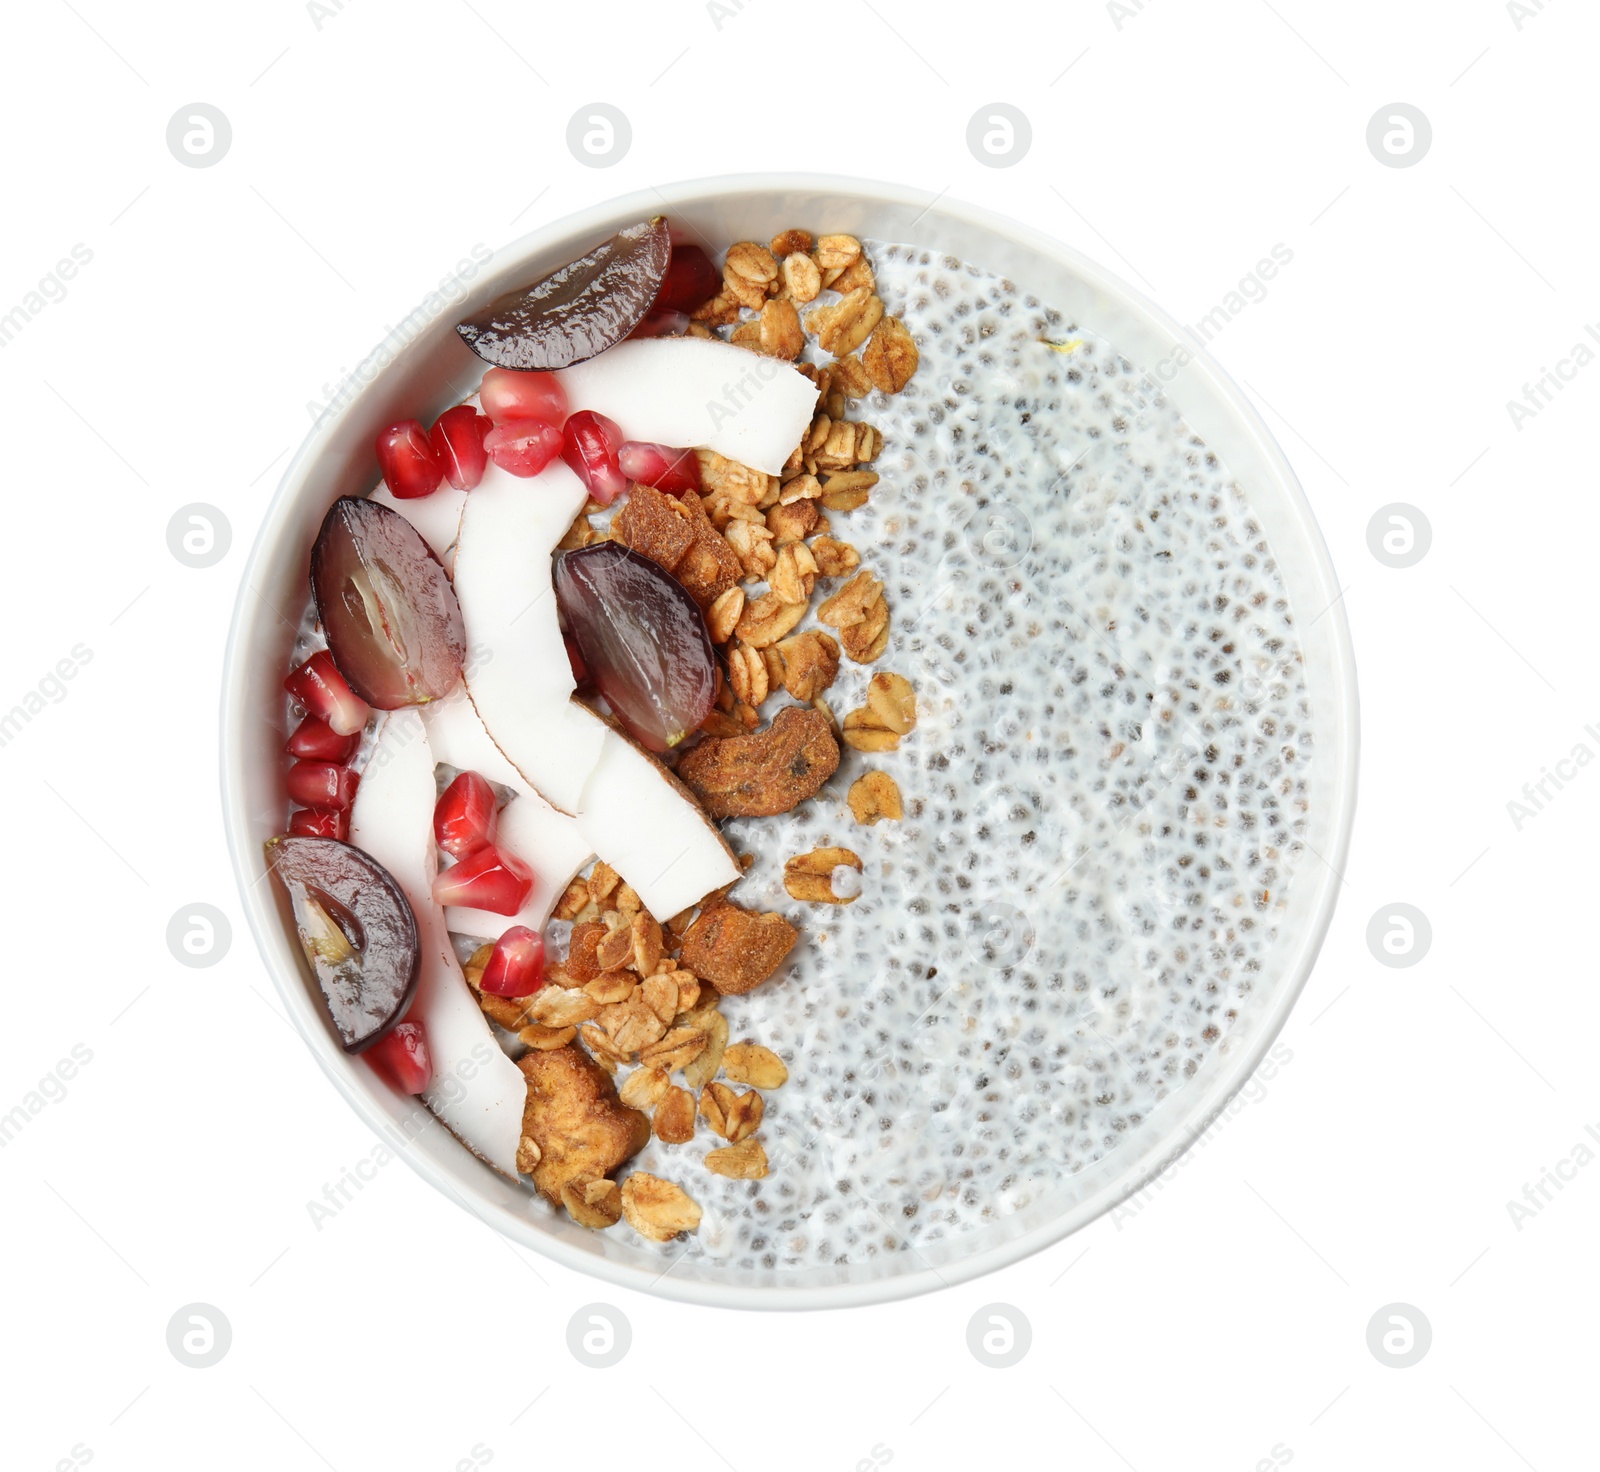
735 949
766 773
576 1123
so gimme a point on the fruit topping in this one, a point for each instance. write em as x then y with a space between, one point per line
325 786
700 391
579 310
643 639
457 442
464 818
358 932
489 878
326 694
319 823
390 615
521 679
580 671
400 1058
315 740
673 471
507 394
590 444
523 446
410 466
516 965
635 812
660 324
691 280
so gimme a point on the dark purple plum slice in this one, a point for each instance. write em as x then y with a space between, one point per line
358 932
578 310
643 639
391 617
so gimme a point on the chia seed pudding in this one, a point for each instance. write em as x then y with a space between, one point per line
1102 794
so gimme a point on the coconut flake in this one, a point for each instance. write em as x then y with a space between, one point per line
533 830
692 391
520 679
646 824
477 1092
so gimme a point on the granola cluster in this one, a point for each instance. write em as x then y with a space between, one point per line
638 1000
635 994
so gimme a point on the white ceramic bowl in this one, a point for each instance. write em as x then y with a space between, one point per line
434 370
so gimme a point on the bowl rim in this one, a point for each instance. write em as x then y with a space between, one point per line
1194 1116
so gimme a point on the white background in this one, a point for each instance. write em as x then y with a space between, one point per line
1225 1319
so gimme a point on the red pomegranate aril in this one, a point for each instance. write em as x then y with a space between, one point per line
323 785
410 468
312 823
589 445
314 740
457 442
669 470
516 965
318 685
661 324
464 816
489 878
508 395
523 446
401 1058
691 280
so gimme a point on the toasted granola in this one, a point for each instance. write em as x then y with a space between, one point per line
810 877
763 774
746 1161
658 1209
875 796
735 949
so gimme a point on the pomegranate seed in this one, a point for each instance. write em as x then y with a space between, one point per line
516 965
310 823
523 446
507 394
489 878
660 324
410 468
315 740
457 442
580 671
323 785
463 818
691 279
318 685
401 1059
673 471
589 445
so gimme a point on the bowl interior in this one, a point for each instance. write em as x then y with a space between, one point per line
424 367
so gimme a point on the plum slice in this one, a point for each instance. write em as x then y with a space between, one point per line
357 929
393 625
642 638
578 310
